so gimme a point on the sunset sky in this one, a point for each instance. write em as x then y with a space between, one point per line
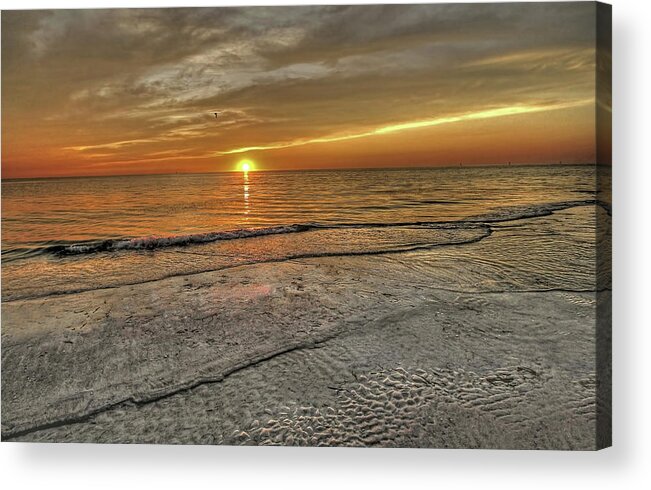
97 92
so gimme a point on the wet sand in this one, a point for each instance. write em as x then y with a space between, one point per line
346 351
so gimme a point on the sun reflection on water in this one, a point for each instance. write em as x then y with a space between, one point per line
245 188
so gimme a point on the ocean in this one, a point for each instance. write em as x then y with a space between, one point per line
75 234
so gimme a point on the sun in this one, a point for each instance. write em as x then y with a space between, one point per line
245 166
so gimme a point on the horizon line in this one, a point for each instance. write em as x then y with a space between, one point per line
414 167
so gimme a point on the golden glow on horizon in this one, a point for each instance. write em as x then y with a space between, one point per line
392 128
245 166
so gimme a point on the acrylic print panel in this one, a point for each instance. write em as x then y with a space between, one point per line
379 225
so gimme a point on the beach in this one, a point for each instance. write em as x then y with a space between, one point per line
434 336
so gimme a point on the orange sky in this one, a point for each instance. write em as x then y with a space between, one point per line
97 92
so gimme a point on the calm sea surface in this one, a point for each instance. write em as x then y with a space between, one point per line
60 235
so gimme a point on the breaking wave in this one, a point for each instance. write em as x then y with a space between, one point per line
157 242
153 242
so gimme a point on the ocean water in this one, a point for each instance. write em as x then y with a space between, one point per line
77 234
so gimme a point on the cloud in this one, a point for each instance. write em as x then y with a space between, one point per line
133 82
426 123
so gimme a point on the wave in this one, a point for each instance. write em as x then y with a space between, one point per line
154 242
157 242
512 213
533 211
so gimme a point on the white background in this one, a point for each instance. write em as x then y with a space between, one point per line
626 465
